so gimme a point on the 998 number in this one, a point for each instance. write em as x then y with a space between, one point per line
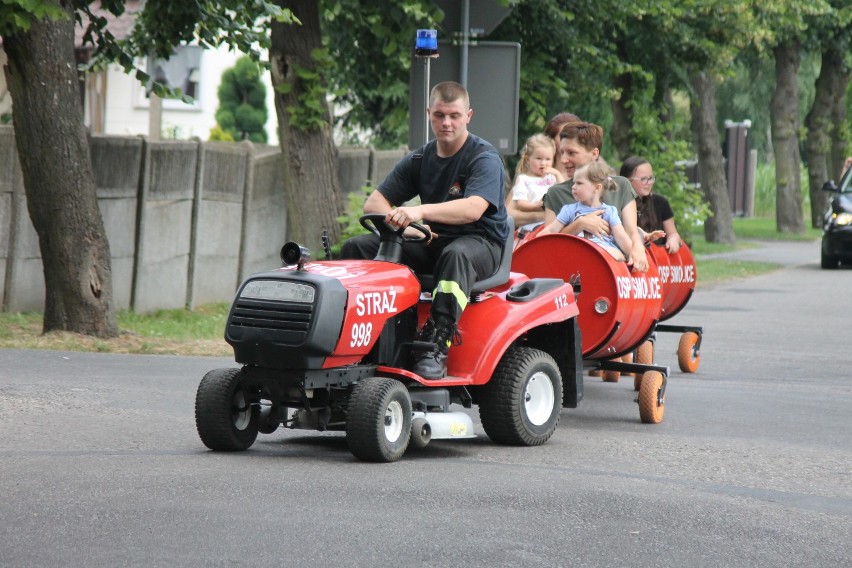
362 333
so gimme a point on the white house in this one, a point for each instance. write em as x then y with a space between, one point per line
116 103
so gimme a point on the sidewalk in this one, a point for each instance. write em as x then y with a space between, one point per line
785 253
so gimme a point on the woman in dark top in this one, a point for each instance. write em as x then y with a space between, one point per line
654 213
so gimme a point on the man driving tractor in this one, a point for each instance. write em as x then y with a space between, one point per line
459 179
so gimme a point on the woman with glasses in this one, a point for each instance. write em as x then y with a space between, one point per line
654 213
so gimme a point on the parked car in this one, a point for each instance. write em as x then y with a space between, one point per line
837 223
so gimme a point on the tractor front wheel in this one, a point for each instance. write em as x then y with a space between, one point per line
378 420
226 416
521 403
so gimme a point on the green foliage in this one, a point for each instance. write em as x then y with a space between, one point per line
746 94
651 139
242 102
567 59
17 16
241 25
217 134
349 220
765 190
312 111
370 46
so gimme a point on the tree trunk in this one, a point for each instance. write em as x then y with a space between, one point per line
819 125
622 116
60 186
840 143
785 128
314 200
719 228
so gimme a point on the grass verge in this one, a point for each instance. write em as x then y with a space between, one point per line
164 332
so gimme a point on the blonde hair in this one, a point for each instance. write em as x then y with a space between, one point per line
534 142
599 172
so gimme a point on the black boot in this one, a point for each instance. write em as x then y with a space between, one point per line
433 364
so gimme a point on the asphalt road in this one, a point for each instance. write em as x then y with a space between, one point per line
100 464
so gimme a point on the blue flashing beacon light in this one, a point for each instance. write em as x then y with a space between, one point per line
426 44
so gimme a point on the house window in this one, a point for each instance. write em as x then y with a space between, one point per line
181 71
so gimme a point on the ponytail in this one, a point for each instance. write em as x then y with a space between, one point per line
599 171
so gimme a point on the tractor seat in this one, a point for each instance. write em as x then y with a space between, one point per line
501 276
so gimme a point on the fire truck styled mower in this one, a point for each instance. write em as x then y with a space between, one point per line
326 345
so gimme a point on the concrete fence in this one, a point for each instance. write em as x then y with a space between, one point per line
186 220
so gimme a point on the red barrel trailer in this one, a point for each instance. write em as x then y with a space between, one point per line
618 308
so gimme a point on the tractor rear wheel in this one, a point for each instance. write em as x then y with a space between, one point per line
521 403
378 420
688 356
651 404
226 417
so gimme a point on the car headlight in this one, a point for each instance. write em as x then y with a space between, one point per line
279 290
843 218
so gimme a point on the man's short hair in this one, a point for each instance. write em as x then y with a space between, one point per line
447 92
588 135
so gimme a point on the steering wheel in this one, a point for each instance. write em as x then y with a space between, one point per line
378 227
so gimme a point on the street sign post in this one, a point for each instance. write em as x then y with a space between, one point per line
493 81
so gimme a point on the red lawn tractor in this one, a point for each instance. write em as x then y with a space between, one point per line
327 345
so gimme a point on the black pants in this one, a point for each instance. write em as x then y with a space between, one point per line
455 262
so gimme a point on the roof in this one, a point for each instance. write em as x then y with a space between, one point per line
119 26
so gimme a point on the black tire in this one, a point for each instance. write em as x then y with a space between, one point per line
226 417
378 420
521 403
827 261
421 434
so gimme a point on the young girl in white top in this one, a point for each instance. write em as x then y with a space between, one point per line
590 181
533 176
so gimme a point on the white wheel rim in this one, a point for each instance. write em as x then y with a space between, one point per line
539 398
393 421
240 411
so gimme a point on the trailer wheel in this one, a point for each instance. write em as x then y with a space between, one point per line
378 420
521 403
645 353
688 356
612 376
651 405
644 356
225 414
